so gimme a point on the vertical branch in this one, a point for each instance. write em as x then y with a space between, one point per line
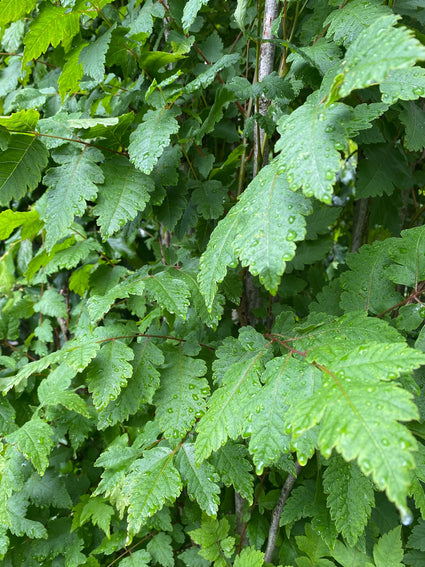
360 223
277 512
265 67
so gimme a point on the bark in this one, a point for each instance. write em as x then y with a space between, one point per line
277 512
360 224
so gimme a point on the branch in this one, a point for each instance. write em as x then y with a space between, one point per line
277 512
360 223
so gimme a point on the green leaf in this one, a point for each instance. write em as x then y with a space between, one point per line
206 78
95 510
70 184
168 292
34 441
209 199
314 547
98 305
213 538
366 285
181 395
53 391
234 469
124 193
404 84
10 11
388 551
366 60
53 25
10 220
140 558
351 411
413 118
229 407
161 549
190 12
350 497
150 138
267 212
93 56
347 23
140 387
152 482
109 372
72 73
201 481
249 557
48 490
240 13
51 303
23 121
21 166
311 140
408 258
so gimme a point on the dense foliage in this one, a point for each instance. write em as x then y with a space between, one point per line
212 274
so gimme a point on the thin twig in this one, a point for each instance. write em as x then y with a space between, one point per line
277 513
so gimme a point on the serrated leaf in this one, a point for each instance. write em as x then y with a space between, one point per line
366 285
413 119
151 137
140 558
206 78
388 551
347 23
93 56
408 258
234 469
367 61
152 482
72 73
11 220
54 391
249 557
22 121
124 193
10 10
116 460
229 407
351 412
169 292
53 25
209 198
51 303
404 84
384 169
70 184
21 166
190 12
95 510
267 212
201 481
350 497
311 140
286 381
34 441
181 395
140 388
213 538
161 549
240 13
98 305
109 372
47 490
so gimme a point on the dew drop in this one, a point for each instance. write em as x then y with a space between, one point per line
291 235
291 219
191 386
259 468
418 91
329 174
406 516
176 434
170 410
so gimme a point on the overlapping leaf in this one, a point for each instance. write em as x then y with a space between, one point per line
152 482
34 441
267 212
21 165
124 193
71 184
408 258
